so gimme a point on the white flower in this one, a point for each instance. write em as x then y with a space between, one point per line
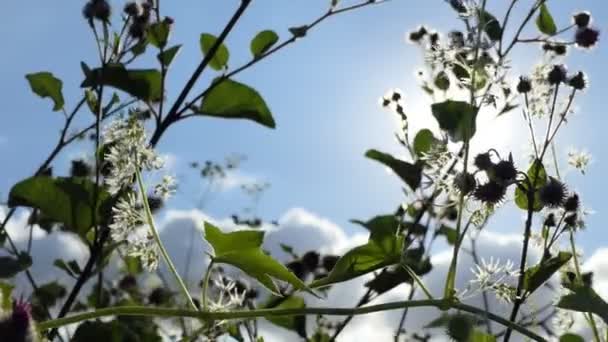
166 188
127 153
579 160
227 295
496 277
146 250
127 216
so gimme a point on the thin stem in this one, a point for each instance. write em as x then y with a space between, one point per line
206 284
159 242
247 314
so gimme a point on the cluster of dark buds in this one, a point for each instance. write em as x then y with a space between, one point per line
586 36
556 76
311 263
500 176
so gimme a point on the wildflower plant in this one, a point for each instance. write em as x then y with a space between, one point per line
451 194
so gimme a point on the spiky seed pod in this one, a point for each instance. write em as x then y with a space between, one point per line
582 19
416 36
586 37
483 161
297 268
550 220
465 182
128 282
578 81
460 328
572 203
524 85
311 260
552 194
490 193
505 171
571 220
557 74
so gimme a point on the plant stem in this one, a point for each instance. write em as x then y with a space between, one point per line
248 314
206 285
163 251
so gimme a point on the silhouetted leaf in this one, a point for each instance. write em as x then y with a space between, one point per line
584 299
10 266
65 200
234 100
571 338
263 41
490 25
457 118
450 234
48 294
242 249
220 59
537 275
294 323
538 176
167 56
545 22
44 84
424 141
390 224
411 174
442 81
144 84
158 33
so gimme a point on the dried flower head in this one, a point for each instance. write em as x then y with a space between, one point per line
524 85
578 81
582 19
587 37
465 182
553 193
505 171
483 161
490 193
557 75
572 203
97 9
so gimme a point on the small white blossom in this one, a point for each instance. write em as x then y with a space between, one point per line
127 216
227 295
579 160
166 188
496 277
146 250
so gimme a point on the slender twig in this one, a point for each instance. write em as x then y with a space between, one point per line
245 314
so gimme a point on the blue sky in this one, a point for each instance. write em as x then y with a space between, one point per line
323 92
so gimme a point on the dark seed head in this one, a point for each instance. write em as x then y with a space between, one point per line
133 9
311 260
483 161
557 75
572 203
329 261
416 36
505 171
586 37
524 86
490 193
578 81
582 19
297 268
80 168
550 220
553 193
465 182
571 220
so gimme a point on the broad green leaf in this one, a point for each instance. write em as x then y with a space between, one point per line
538 176
584 299
144 84
392 277
166 57
6 299
233 100
571 338
424 141
389 224
10 266
445 318
65 200
48 294
490 25
537 275
158 33
242 249
71 268
411 174
545 22
262 42
294 323
480 336
383 249
44 84
220 59
457 118
450 234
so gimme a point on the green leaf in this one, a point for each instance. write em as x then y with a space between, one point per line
389 224
234 100
97 331
584 299
9 266
220 59
450 234
294 323
457 118
167 56
262 42
480 336
490 25
545 22
65 200
538 176
392 277
411 174
242 249
144 84
6 299
44 84
442 81
48 294
424 141
158 34
537 275
71 268
383 249
571 338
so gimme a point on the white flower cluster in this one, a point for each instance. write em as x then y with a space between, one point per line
579 160
127 155
227 295
496 277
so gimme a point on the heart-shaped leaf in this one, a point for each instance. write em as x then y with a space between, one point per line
44 84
